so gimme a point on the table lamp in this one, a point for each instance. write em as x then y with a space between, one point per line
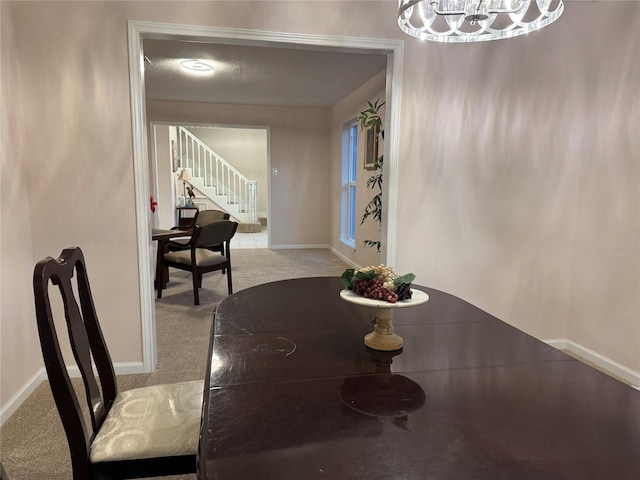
185 177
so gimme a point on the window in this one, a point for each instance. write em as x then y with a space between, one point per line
349 170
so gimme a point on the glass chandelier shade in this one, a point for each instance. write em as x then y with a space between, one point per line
475 20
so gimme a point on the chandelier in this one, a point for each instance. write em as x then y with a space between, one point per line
475 20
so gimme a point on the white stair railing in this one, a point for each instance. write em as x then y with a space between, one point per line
217 173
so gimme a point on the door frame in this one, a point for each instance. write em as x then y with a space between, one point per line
137 31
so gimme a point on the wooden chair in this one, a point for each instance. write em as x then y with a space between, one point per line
202 217
200 258
144 432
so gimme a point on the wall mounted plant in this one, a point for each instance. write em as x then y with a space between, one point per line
371 121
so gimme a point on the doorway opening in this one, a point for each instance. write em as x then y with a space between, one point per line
138 31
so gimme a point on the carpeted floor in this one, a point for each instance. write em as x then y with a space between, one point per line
32 441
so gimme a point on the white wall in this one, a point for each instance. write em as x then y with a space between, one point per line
165 180
519 165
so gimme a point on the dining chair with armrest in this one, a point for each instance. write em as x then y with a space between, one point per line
200 259
202 217
144 432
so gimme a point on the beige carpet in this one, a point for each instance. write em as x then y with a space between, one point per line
32 441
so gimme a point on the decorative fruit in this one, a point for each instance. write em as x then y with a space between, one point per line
378 283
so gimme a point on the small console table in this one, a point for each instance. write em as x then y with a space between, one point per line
185 215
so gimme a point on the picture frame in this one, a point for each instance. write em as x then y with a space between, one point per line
371 149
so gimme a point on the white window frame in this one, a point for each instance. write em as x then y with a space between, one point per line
349 183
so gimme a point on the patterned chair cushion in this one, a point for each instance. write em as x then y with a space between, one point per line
155 421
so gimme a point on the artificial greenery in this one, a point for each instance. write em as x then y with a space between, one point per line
370 118
351 274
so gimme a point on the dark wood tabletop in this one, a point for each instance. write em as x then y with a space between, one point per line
292 392
160 234
163 237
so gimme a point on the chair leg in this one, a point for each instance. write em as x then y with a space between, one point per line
224 270
196 297
229 283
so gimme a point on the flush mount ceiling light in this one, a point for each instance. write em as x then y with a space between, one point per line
475 20
196 66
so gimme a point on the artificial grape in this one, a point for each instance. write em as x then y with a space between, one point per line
385 275
374 289
381 286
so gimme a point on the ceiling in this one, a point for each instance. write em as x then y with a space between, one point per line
256 75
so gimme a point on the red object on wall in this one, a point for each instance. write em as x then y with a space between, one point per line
153 204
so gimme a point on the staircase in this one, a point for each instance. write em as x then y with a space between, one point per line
216 179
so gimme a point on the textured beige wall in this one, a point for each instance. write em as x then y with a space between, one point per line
299 148
72 118
605 291
519 163
20 357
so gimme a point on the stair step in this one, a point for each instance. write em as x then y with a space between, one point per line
220 199
245 227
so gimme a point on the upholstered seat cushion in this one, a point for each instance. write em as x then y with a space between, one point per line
155 421
204 257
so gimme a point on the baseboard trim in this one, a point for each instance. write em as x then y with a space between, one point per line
603 362
346 260
121 368
21 395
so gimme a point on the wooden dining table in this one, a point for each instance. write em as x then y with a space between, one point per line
163 237
292 392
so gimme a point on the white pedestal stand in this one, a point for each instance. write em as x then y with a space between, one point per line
382 338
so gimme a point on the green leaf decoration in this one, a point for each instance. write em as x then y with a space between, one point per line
371 118
347 278
372 243
408 278
366 275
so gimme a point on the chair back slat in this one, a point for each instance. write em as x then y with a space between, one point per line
86 340
97 343
214 233
79 341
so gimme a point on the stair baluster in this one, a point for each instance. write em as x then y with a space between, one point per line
218 175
